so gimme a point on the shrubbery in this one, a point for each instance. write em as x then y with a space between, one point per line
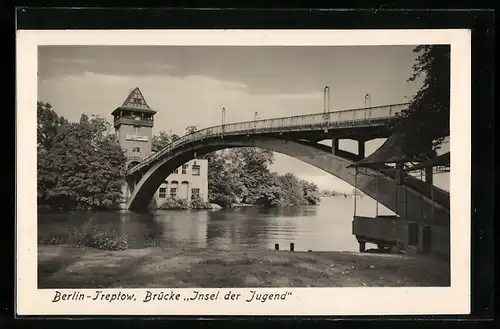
87 236
197 203
174 203
105 240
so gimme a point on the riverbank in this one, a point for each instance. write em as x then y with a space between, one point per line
71 267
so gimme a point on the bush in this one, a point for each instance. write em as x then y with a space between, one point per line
313 198
197 203
174 203
88 235
105 240
225 201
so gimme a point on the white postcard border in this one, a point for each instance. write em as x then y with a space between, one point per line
304 301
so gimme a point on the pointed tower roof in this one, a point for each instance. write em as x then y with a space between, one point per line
135 102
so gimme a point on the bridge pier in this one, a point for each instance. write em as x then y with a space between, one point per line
335 146
361 148
127 190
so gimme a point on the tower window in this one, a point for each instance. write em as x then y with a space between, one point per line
137 129
163 192
184 168
136 149
176 171
196 170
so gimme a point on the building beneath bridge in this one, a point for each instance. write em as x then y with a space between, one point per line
186 182
133 123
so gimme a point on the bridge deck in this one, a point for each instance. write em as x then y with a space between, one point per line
363 117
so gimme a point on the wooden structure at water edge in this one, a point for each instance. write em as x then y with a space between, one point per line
410 231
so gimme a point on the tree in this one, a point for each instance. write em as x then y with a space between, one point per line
48 125
243 175
160 141
310 192
191 129
83 168
426 122
291 184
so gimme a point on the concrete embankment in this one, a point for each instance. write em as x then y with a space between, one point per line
70 267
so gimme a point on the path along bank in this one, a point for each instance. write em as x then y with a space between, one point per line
78 267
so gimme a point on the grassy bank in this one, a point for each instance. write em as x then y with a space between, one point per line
72 267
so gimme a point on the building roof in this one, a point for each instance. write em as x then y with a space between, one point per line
135 102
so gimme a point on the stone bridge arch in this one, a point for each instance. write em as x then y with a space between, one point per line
406 202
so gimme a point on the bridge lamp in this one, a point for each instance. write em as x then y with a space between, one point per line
326 106
326 99
223 120
368 101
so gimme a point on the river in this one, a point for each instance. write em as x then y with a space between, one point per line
323 227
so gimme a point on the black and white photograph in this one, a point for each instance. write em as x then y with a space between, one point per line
231 173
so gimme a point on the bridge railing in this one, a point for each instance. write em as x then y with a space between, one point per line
284 124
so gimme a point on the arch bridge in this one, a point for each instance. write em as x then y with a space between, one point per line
299 137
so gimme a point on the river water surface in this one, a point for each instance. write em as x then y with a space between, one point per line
323 227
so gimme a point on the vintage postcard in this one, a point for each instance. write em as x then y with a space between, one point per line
243 172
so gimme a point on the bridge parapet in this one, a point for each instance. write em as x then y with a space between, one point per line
352 117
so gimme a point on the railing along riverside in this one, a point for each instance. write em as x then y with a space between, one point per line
284 124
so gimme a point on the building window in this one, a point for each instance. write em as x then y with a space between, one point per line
176 171
163 192
195 193
137 129
173 192
196 170
136 149
184 168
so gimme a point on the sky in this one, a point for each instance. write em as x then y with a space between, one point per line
188 85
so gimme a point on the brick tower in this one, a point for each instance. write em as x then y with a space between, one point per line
133 122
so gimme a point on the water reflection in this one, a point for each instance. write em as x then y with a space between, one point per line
323 227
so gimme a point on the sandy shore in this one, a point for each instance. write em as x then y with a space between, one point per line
69 267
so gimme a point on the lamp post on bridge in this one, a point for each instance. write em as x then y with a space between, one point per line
326 100
368 101
255 116
223 112
326 106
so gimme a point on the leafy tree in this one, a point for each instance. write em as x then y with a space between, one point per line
160 141
243 175
82 169
290 183
191 129
48 125
427 120
310 192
